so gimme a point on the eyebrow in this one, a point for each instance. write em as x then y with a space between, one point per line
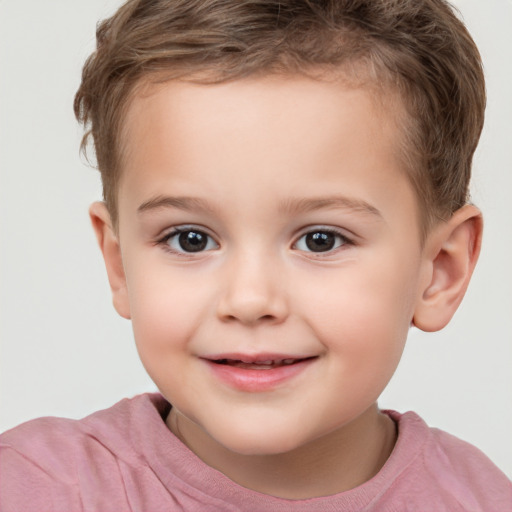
293 206
181 203
288 206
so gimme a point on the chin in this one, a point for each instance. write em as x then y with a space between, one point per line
265 442
266 448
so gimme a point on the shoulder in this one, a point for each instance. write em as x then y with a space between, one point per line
440 466
58 440
36 466
46 462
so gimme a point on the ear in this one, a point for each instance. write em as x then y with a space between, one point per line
109 245
451 253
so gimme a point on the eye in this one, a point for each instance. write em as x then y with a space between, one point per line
189 240
321 240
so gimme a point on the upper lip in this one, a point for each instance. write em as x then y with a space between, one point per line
256 358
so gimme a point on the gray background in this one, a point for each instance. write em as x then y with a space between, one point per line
64 351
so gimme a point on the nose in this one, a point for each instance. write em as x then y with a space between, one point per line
253 292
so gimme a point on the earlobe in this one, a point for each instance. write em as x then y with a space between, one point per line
451 252
110 248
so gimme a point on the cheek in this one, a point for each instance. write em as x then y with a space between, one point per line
365 341
363 313
166 311
166 307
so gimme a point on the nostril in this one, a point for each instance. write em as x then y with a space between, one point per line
248 307
256 319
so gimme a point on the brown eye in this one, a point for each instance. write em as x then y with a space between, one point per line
190 241
321 241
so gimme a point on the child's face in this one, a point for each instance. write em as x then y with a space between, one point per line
298 237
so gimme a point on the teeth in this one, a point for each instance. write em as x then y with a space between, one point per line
267 363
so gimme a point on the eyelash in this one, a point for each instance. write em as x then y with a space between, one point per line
340 239
175 232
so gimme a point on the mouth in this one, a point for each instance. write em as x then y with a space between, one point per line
266 364
258 373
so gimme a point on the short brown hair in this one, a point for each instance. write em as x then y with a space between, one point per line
419 47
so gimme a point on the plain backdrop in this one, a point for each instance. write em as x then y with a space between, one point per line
65 352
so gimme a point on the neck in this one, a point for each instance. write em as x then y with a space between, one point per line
334 463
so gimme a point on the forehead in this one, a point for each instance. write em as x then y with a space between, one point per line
285 131
185 110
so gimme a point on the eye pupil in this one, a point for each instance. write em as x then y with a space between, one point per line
192 241
320 241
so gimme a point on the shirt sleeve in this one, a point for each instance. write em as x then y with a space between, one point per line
26 486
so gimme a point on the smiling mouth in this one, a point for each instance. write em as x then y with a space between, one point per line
258 373
267 364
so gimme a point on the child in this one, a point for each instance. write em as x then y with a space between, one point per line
286 193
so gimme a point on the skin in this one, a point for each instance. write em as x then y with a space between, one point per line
267 161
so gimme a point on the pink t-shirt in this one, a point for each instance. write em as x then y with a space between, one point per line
125 459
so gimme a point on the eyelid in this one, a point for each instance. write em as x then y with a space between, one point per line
346 239
173 231
166 235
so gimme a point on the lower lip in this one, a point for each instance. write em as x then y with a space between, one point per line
257 380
